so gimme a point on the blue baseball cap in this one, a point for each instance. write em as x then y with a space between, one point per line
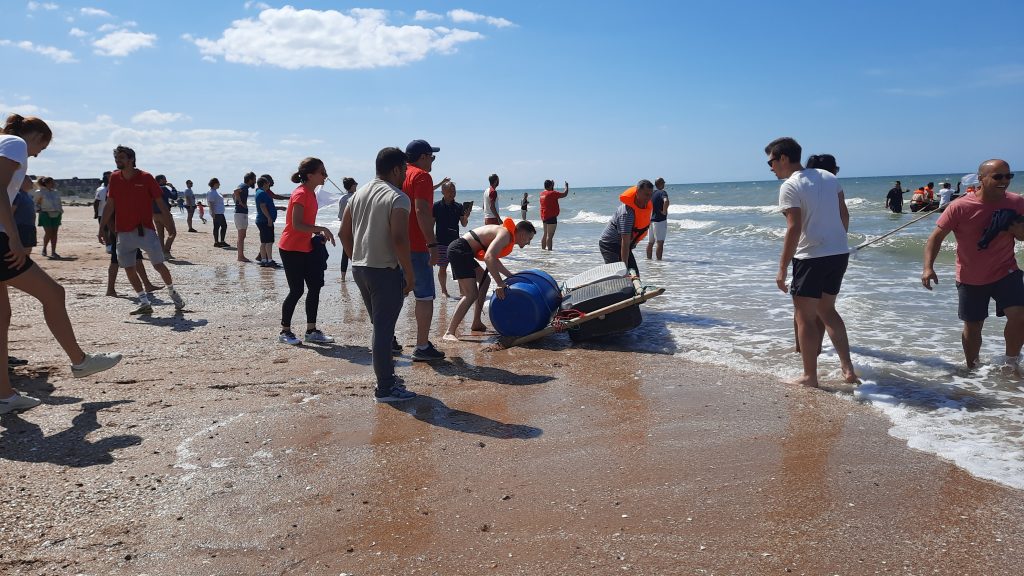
416 148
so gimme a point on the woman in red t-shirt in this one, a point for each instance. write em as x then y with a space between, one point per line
549 211
303 252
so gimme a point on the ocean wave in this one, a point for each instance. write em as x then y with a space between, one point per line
687 224
585 217
718 208
750 231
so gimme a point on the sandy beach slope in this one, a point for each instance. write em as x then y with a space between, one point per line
213 449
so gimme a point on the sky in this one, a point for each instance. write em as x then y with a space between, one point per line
596 93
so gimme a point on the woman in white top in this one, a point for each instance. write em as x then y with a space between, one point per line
350 189
50 213
21 138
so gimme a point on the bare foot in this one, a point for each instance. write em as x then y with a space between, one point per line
478 328
112 293
153 288
446 295
244 259
849 376
450 337
808 381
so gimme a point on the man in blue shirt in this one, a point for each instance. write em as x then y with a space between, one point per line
168 196
448 214
266 215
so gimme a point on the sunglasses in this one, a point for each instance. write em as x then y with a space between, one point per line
771 161
999 177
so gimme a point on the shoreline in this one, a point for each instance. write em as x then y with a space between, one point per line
214 449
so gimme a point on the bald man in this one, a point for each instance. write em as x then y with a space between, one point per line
984 274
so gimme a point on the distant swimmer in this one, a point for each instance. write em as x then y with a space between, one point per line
983 274
817 222
659 219
524 205
488 243
628 225
894 199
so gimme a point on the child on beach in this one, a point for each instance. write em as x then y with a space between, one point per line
202 212
489 243
266 215
20 139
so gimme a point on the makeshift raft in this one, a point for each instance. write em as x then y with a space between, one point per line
599 302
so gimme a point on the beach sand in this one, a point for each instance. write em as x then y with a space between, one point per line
213 449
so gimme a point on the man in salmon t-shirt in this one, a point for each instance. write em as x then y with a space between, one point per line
986 273
131 195
419 187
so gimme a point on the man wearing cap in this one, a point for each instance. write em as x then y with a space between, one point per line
419 187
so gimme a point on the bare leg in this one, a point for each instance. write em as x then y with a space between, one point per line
806 312
5 325
837 333
1014 330
53 240
650 250
241 246
442 279
971 340
469 293
141 269
485 281
133 278
50 294
111 278
165 274
661 248
424 313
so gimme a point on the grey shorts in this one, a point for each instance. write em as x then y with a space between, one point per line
659 230
129 243
241 221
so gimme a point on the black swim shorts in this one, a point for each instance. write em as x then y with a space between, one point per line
813 277
974 299
462 260
552 220
7 271
266 233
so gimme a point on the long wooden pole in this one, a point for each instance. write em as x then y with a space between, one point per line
891 232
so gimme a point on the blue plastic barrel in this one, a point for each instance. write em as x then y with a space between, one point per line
531 299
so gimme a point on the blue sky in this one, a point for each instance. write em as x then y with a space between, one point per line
599 93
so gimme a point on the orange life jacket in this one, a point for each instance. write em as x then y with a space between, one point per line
641 216
509 225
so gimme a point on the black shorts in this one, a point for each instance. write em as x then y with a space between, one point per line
266 233
552 220
6 271
1007 292
462 260
813 277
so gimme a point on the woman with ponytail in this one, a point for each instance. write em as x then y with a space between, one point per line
303 252
23 137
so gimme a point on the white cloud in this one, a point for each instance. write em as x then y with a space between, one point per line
157 117
23 109
56 54
123 43
94 12
77 33
460 15
108 27
42 6
257 5
360 39
423 15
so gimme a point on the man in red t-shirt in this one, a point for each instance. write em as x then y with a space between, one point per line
491 201
419 187
986 273
549 211
130 199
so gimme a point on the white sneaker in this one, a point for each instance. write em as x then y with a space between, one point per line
318 337
94 363
179 302
288 338
18 403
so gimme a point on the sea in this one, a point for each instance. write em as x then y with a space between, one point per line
721 306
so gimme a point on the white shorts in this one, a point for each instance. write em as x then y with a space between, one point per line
129 243
659 230
241 221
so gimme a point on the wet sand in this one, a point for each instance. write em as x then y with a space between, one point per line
213 449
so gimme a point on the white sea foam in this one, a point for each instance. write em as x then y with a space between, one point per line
718 208
586 217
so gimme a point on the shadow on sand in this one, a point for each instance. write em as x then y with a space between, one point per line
436 413
25 441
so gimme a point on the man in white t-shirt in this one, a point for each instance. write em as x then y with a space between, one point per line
945 195
101 197
816 225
